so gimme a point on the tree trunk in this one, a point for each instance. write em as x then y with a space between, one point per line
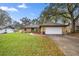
73 27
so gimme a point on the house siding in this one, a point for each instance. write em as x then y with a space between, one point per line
7 30
42 30
28 30
66 30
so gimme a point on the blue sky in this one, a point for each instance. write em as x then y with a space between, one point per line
19 10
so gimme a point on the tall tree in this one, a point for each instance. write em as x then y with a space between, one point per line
16 25
67 11
25 21
35 21
5 19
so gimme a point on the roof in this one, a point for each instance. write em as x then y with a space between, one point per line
53 25
3 27
45 25
9 27
32 26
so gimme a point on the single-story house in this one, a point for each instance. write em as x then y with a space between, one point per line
6 29
48 29
31 28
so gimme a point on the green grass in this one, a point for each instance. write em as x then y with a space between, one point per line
22 44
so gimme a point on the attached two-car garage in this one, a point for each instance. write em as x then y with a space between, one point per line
53 30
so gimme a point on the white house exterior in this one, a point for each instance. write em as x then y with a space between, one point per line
7 29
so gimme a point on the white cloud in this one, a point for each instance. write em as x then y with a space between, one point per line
8 9
22 6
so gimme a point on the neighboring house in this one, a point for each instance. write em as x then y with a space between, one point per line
6 29
47 29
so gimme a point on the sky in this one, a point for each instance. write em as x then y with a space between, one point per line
19 10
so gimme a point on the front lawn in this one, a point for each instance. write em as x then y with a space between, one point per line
22 44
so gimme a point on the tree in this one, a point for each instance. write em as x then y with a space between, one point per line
5 19
25 21
67 11
73 17
35 21
44 17
16 25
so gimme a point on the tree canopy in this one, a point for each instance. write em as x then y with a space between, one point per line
69 12
35 21
25 21
5 19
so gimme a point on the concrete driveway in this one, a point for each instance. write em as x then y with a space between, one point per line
68 44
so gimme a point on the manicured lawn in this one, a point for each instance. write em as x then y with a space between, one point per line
22 44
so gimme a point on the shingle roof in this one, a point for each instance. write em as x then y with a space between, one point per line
45 25
2 27
32 26
53 25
